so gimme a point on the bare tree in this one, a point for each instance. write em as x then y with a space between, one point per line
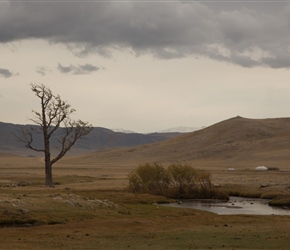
54 113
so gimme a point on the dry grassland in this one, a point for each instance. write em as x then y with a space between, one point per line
90 209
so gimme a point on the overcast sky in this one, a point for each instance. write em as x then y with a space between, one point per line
147 65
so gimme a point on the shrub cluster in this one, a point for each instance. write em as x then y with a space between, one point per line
176 181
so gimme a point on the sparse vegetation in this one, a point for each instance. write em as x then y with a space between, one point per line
89 209
278 199
282 202
240 191
65 226
270 195
176 181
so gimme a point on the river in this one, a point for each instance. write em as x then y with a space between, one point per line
235 205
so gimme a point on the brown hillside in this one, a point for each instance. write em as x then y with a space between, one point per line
234 142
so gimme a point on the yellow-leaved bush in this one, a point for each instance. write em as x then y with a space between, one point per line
175 181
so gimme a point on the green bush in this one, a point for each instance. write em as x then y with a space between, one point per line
176 181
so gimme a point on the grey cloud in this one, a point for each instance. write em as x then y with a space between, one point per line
78 70
166 30
43 70
6 73
64 69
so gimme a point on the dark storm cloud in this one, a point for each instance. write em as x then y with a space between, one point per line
77 70
244 33
6 73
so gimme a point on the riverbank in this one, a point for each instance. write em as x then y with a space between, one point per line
234 206
131 221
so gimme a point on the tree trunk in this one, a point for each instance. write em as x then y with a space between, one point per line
48 171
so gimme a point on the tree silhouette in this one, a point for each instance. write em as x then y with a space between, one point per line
54 113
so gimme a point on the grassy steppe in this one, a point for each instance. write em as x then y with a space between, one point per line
90 209
129 221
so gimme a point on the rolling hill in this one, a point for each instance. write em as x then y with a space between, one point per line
234 142
98 139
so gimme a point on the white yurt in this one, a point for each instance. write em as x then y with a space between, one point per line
261 168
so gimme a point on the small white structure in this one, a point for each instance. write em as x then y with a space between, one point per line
231 169
261 168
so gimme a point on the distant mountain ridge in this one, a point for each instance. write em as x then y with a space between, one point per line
181 129
99 139
125 131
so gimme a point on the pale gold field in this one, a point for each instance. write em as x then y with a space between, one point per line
114 176
90 207
128 220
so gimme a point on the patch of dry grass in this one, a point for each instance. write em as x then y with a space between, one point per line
90 209
137 225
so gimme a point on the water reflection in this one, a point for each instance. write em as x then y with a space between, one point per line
235 205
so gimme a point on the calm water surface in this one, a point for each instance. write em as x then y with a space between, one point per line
236 205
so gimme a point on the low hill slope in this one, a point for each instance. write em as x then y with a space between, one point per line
234 141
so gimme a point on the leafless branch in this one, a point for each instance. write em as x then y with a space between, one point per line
74 130
26 137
